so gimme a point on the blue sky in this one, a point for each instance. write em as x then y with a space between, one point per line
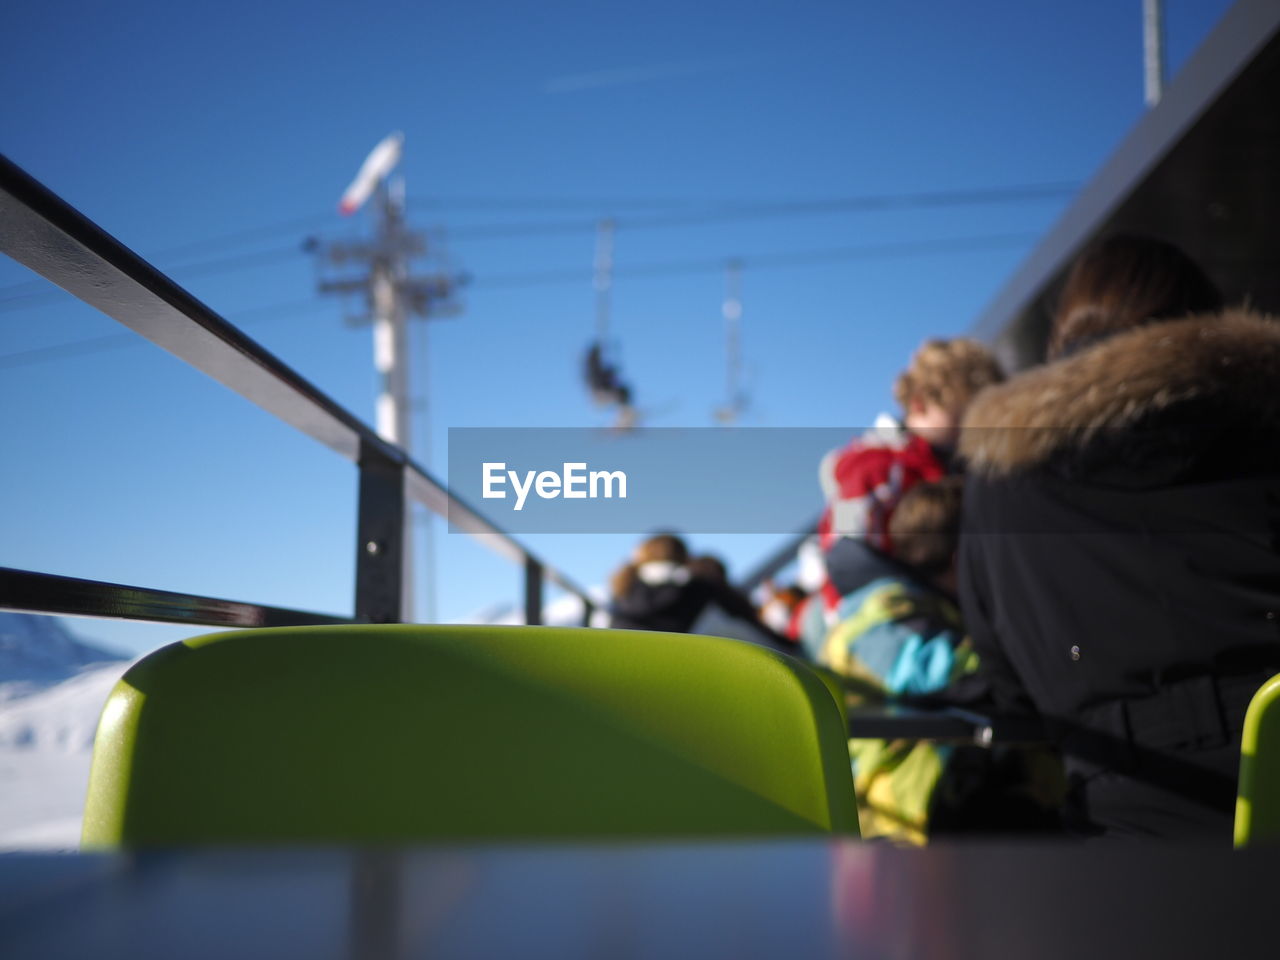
173 125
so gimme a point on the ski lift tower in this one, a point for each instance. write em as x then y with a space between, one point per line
392 296
735 394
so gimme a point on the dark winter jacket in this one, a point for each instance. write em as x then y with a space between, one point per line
666 596
1120 561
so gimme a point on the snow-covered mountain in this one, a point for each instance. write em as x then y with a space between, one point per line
37 652
52 688
46 743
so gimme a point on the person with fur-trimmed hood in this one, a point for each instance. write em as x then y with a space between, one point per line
1120 554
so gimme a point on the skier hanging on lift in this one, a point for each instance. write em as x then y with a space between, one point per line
607 388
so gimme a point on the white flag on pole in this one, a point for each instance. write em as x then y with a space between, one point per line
376 166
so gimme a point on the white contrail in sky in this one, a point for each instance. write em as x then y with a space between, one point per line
622 76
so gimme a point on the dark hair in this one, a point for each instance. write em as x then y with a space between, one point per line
1124 282
925 526
663 546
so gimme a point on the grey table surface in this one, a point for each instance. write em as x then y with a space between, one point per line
796 898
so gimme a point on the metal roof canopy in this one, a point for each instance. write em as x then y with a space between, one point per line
1201 170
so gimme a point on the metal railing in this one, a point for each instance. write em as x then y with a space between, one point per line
778 560
42 231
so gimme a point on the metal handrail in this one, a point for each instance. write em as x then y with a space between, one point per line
778 560
52 238
70 596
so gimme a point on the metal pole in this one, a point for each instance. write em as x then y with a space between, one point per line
393 296
733 332
532 591
424 457
391 358
1153 50
380 580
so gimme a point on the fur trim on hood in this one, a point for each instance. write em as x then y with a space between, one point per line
1231 359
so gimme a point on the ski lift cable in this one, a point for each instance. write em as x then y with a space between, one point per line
543 278
115 341
772 210
911 248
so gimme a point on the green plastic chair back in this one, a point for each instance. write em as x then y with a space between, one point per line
423 733
1258 793
833 682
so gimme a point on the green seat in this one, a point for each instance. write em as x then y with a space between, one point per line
424 733
1258 793
833 682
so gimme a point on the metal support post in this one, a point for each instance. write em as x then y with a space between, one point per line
381 594
1153 50
393 295
532 591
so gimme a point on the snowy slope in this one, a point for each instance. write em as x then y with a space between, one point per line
52 688
46 742
37 652
564 611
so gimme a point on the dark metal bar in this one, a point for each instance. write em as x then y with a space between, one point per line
560 580
68 596
950 724
893 722
44 232
532 591
1000 728
776 561
39 229
588 611
380 586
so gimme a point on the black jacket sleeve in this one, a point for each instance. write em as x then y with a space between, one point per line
999 677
